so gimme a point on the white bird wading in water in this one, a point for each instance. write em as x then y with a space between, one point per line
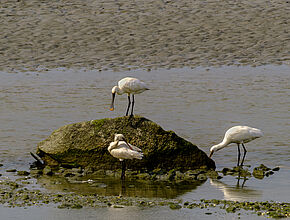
122 150
238 135
130 86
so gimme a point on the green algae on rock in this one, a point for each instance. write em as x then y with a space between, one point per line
23 173
236 171
258 172
85 145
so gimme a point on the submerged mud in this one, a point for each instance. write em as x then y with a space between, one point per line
145 34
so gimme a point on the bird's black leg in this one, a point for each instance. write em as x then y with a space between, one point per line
244 181
123 188
133 101
238 183
245 151
239 154
129 103
123 170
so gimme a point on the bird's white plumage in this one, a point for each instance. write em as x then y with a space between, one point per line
238 135
121 150
238 193
242 134
132 85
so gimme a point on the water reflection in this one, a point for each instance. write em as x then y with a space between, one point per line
244 179
114 187
237 192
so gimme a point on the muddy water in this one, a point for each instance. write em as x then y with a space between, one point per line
198 104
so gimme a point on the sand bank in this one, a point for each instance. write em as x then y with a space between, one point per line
106 34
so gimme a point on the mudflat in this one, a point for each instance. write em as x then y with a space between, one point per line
117 35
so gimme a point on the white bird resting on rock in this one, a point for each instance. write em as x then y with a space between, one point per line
130 86
238 135
122 150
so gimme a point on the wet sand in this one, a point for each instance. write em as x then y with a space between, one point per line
146 34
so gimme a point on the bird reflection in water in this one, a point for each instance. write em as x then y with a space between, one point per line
123 188
238 182
239 192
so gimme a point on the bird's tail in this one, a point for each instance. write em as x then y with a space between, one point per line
137 155
135 148
257 133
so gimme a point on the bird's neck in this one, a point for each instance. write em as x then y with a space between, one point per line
221 145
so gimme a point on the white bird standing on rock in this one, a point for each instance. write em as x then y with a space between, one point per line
238 135
130 86
122 150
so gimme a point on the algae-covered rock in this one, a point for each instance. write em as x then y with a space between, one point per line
47 171
85 145
212 174
22 173
175 206
262 167
259 174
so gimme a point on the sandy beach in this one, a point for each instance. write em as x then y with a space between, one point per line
121 35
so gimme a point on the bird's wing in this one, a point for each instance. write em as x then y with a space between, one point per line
243 134
236 134
256 133
126 82
123 152
112 146
123 144
132 85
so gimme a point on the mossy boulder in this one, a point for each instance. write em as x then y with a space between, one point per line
85 145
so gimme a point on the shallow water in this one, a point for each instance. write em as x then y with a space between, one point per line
33 213
114 187
198 104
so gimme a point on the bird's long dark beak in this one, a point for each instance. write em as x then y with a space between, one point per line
211 153
128 144
113 99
